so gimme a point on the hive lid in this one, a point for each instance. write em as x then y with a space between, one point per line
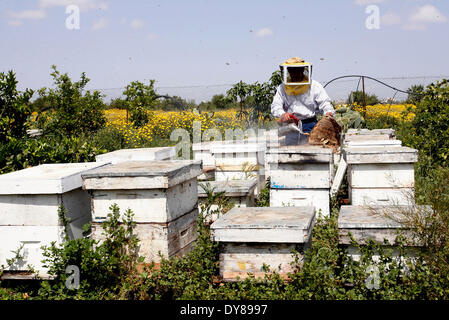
241 146
300 154
54 178
230 187
372 217
380 154
373 143
389 131
138 154
265 224
142 175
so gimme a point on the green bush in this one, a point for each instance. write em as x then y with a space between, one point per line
357 97
430 131
15 110
106 267
18 154
73 112
139 98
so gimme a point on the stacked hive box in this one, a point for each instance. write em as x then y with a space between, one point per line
138 154
239 192
29 204
301 176
272 141
163 196
377 223
381 175
201 151
252 237
239 160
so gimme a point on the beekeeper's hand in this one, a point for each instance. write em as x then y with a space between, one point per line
286 118
330 114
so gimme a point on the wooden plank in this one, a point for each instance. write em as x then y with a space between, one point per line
338 179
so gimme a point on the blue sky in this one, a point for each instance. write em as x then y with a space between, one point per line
194 43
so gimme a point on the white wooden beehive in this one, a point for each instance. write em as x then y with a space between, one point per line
381 175
239 192
163 196
252 237
29 204
377 223
301 176
138 154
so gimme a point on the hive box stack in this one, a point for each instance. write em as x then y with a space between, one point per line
377 223
250 237
201 151
163 196
272 141
371 138
381 175
240 160
138 154
29 203
301 176
239 192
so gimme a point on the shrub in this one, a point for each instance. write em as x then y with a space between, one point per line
430 132
73 112
24 153
107 268
15 108
357 97
139 98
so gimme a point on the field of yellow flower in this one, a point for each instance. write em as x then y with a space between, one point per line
397 111
163 123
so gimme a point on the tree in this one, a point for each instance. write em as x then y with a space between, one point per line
139 98
72 112
415 94
357 97
15 108
431 124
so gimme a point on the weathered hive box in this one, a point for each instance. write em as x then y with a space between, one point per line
377 223
29 203
301 176
252 237
381 175
163 196
138 154
240 160
239 192
201 151
361 132
272 141
374 143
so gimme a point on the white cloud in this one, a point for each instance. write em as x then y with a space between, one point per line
390 18
264 32
427 14
15 23
422 16
100 24
84 5
28 14
137 24
367 2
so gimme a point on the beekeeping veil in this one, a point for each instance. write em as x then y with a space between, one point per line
296 76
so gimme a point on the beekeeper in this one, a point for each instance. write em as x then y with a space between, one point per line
300 96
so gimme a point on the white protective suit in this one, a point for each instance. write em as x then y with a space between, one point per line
304 106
